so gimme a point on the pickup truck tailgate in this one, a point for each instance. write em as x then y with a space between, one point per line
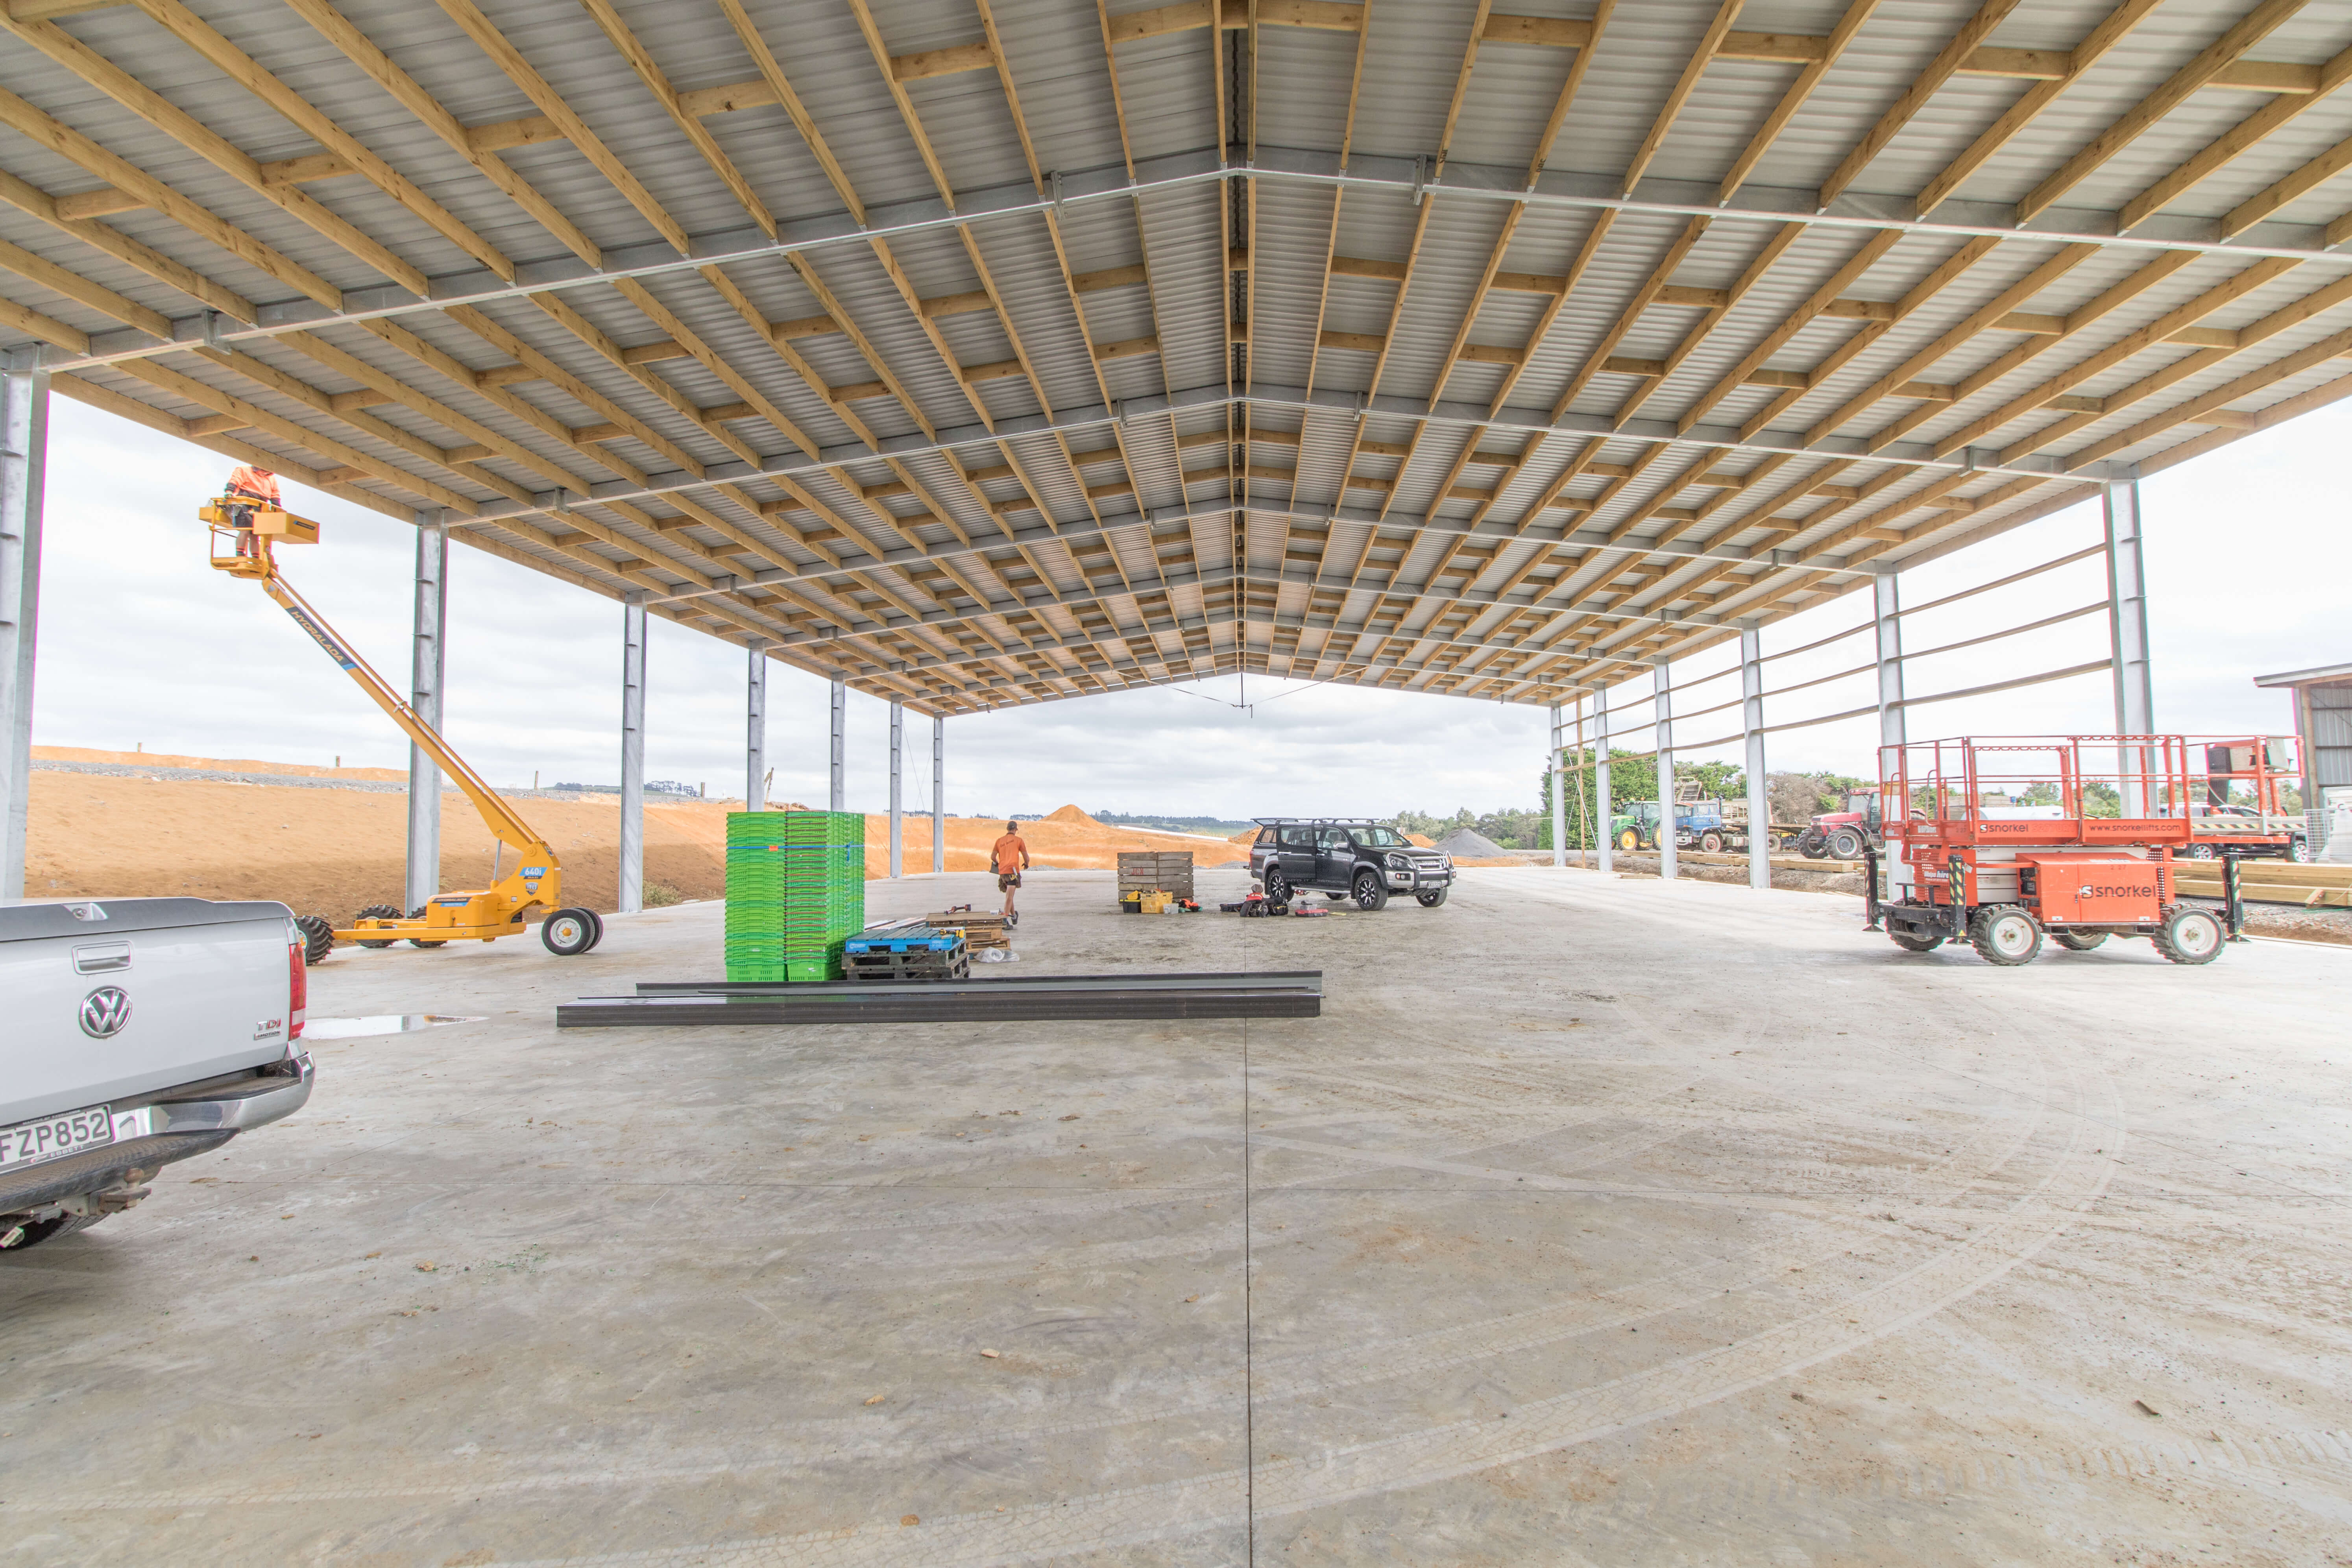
112 997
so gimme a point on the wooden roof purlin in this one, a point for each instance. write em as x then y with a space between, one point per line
1603 332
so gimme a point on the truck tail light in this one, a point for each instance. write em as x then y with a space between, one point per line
298 988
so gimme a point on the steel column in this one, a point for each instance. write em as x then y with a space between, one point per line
428 663
2128 612
1603 835
897 820
1556 773
939 792
755 728
840 758
632 896
24 468
1663 685
1885 610
1752 726
2128 633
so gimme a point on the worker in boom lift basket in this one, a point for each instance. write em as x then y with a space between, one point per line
251 488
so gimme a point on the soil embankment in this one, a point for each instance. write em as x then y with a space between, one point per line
333 851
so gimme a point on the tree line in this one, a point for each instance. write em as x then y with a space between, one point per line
1794 797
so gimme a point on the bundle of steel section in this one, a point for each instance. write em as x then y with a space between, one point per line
989 1000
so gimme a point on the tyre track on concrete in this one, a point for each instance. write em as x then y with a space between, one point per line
1200 1491
1454 1346
1128 1517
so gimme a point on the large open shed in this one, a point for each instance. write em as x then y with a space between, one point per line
975 353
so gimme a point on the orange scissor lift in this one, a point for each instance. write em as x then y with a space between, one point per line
1999 840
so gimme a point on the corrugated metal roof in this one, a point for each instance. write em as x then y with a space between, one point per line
1129 573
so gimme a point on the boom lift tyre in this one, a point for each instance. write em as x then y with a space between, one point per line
1910 944
318 937
568 932
245 532
376 912
2078 941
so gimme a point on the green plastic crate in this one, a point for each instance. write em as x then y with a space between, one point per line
795 892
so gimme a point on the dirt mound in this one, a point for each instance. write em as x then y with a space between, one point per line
217 764
1072 813
1422 839
1246 836
332 851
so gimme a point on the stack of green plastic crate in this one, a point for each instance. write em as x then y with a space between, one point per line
795 892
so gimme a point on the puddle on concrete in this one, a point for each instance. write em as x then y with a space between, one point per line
380 1023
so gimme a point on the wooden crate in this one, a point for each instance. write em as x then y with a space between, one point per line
980 931
1169 871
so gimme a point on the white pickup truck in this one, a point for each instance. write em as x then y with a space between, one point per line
140 1031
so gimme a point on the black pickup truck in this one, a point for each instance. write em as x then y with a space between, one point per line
1366 859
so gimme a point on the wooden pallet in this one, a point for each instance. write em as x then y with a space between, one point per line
913 965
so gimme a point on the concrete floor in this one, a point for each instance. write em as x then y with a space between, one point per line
1595 1222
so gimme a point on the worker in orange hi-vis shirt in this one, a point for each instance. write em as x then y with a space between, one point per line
1011 858
250 486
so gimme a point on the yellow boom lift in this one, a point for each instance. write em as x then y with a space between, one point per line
244 532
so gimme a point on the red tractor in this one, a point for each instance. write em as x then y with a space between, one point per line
1843 835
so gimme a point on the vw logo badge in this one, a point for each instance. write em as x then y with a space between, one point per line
104 1011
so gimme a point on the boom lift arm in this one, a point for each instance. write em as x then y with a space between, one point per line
249 531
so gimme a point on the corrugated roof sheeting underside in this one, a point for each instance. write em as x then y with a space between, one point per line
1486 487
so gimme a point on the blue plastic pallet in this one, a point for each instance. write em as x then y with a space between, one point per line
917 938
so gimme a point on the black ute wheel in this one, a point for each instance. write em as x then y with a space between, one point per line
1372 892
1277 887
568 933
1431 898
2189 935
32 1233
2080 942
318 937
376 912
417 914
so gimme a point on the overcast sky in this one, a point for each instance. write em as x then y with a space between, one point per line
2249 558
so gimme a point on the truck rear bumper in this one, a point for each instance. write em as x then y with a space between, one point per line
158 1134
